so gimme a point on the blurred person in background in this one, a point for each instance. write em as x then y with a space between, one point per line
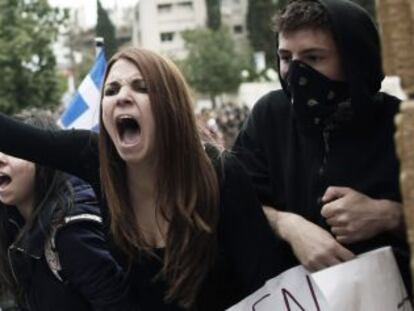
224 122
230 118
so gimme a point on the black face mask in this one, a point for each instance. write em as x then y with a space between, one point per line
317 100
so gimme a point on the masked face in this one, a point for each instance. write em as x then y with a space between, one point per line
315 97
313 78
314 47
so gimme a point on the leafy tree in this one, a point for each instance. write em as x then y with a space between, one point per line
213 66
27 64
280 4
105 29
79 42
213 14
259 24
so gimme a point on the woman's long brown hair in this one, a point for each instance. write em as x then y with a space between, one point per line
187 184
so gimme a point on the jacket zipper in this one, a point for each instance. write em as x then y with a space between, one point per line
11 247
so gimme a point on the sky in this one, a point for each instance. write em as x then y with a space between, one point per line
90 6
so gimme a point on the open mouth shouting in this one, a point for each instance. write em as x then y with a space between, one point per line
5 180
129 129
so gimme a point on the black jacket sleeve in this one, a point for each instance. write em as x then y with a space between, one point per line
248 239
72 151
88 265
249 149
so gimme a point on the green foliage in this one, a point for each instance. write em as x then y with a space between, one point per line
213 66
259 24
213 14
82 69
27 64
280 4
105 29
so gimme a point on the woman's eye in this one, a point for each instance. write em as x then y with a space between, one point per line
139 85
111 90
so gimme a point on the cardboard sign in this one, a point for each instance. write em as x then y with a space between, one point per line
370 282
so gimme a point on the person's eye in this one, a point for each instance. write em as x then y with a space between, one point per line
314 58
111 90
285 58
139 85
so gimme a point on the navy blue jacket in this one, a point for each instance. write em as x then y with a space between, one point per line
92 279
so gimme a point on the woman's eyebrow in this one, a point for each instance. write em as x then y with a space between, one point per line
128 80
112 83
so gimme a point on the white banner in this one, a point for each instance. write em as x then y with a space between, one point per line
370 282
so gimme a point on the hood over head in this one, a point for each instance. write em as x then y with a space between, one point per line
359 46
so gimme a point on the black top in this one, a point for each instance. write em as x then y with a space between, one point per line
247 247
291 166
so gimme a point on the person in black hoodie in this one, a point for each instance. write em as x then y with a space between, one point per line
321 151
54 255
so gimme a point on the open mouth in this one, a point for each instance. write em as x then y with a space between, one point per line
129 129
5 180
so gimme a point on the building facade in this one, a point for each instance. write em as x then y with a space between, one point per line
159 23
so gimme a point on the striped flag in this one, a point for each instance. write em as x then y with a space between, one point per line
83 110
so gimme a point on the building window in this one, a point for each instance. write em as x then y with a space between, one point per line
185 5
164 8
167 36
238 29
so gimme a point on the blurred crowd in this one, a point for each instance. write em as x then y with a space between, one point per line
224 123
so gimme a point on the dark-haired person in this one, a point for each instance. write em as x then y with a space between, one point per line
184 220
321 150
53 250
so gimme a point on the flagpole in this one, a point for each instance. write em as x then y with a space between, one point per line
99 45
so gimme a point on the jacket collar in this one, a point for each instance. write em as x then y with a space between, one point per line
32 242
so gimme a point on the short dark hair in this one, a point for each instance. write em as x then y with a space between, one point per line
301 14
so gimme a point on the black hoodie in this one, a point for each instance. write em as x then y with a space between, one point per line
292 165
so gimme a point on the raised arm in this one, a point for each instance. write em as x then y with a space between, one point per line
72 151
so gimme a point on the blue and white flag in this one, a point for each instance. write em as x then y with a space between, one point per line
83 111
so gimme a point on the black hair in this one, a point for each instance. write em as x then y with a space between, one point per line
300 14
53 197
